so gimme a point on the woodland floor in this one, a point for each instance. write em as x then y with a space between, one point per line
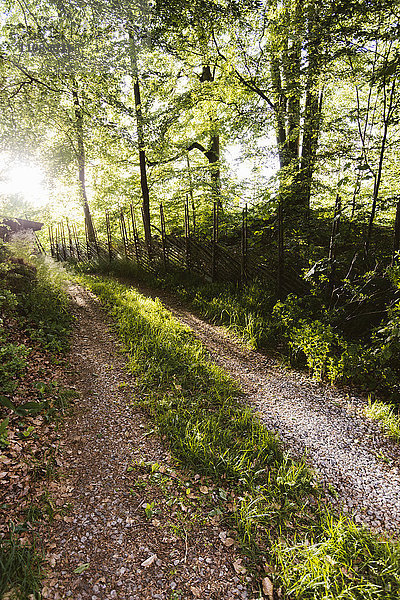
348 452
107 545
179 548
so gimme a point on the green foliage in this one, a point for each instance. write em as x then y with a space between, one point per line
277 510
32 288
46 306
344 562
20 569
4 433
387 415
55 399
12 364
317 341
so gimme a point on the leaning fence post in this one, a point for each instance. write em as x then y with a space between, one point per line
50 227
88 252
123 232
214 241
71 247
108 237
75 232
244 245
194 217
332 244
281 255
187 234
56 241
135 235
96 242
64 241
163 237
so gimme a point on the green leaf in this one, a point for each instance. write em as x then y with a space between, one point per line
7 403
32 407
81 568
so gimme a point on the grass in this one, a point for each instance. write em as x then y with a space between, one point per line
388 417
280 513
244 310
20 570
355 341
32 301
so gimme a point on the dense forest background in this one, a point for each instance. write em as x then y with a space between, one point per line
290 109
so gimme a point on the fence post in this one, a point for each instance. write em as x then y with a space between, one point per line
75 232
96 241
135 234
332 244
281 254
191 192
71 246
108 237
123 232
163 237
214 241
187 234
64 241
244 245
50 228
88 251
149 246
194 217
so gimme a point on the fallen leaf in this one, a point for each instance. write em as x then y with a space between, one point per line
52 560
215 520
203 489
228 542
149 561
81 568
268 588
239 568
269 568
195 591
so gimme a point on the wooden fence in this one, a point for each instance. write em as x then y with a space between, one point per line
209 259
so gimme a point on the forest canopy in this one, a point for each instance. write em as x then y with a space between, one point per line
267 103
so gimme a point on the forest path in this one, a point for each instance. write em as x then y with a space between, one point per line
346 450
103 544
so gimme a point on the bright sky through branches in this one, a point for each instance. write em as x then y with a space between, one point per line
27 181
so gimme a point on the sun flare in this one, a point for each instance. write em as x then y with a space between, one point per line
26 181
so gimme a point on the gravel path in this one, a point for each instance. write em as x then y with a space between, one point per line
347 451
104 545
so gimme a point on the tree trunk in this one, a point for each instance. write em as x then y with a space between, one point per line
78 113
285 70
213 154
312 111
396 238
141 145
388 107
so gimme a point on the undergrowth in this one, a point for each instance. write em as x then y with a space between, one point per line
305 329
387 415
20 569
34 313
281 514
40 302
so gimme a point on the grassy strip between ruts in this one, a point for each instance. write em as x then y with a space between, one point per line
281 516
